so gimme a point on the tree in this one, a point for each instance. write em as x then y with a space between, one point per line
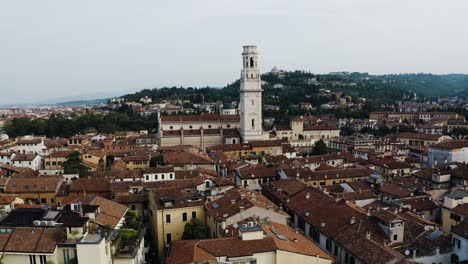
347 131
157 160
320 148
459 132
194 229
73 163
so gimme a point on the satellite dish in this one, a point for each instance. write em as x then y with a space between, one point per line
407 252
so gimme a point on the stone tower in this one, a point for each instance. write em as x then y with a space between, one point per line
250 96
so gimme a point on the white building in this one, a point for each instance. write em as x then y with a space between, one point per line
229 109
166 173
460 242
250 97
448 151
297 133
31 161
6 157
31 146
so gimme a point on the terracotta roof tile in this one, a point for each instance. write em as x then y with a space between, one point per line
187 158
33 185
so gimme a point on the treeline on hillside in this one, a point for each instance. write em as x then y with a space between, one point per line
430 85
61 126
299 88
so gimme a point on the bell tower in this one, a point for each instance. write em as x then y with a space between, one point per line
250 96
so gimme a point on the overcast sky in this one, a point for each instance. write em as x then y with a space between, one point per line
61 49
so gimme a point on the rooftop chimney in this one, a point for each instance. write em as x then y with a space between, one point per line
368 235
233 201
307 195
352 220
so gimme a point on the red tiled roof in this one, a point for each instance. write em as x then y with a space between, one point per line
451 144
187 157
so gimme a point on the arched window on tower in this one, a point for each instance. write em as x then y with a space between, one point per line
251 62
253 123
246 62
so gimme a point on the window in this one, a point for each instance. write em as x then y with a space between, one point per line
328 245
32 259
168 238
133 207
170 176
456 242
43 200
42 259
147 177
168 218
194 214
455 217
395 237
314 234
253 123
184 217
66 256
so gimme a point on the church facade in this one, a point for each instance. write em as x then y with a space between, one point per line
228 127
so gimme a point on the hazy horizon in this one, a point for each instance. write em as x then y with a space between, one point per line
61 49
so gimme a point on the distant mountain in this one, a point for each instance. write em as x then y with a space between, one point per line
75 100
83 102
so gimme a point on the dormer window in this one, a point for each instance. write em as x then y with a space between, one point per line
167 202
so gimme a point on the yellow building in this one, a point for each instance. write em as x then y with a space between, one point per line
454 210
94 160
36 190
262 147
326 177
136 162
78 141
171 209
391 166
420 140
55 160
